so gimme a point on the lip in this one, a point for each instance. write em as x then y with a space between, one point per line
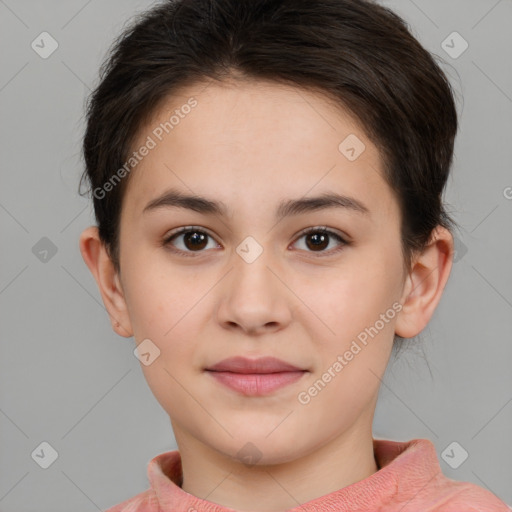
260 365
255 377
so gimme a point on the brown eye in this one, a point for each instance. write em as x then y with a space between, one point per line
192 240
195 240
318 239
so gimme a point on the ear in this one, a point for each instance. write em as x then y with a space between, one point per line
97 259
425 284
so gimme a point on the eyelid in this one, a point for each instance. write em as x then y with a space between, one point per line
327 229
184 229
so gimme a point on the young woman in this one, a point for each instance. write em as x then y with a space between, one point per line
267 178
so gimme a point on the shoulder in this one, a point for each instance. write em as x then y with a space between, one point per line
164 476
414 471
144 502
447 495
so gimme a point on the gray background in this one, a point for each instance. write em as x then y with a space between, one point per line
67 379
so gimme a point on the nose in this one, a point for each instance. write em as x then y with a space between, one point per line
254 297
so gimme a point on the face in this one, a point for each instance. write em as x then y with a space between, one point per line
249 280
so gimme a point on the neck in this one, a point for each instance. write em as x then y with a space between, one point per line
212 476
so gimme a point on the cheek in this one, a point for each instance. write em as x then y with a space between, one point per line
349 298
164 305
165 310
157 294
357 345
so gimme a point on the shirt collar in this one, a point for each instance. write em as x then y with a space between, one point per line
405 469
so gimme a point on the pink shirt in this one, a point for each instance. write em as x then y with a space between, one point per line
409 480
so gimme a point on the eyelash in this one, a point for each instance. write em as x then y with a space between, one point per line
320 229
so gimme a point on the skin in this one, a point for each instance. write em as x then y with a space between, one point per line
252 145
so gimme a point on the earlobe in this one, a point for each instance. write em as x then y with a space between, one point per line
425 284
99 263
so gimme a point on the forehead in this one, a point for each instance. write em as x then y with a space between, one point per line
256 143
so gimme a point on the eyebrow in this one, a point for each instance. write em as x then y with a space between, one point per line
174 198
